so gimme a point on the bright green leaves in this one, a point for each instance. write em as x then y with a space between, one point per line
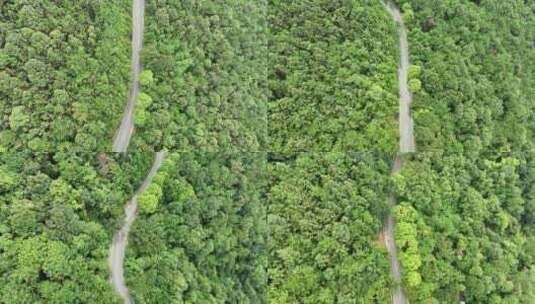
146 78
406 236
19 117
38 254
408 13
303 280
209 70
414 71
29 259
62 193
142 115
327 94
205 239
58 212
7 179
415 85
56 263
148 200
23 217
324 208
185 191
78 49
375 93
144 101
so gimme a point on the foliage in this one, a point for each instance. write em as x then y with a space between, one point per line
146 78
465 226
477 74
469 206
141 115
332 76
325 214
64 73
57 215
208 65
203 242
406 236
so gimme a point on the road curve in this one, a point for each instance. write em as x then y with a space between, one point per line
406 145
123 134
120 240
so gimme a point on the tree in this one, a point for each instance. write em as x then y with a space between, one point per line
38 72
19 118
146 78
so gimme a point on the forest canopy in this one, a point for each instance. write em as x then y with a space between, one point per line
325 214
467 209
332 76
202 237
58 212
207 66
64 73
477 74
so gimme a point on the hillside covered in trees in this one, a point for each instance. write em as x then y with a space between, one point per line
465 222
57 215
204 79
325 212
332 76
201 234
465 228
477 74
64 73
280 124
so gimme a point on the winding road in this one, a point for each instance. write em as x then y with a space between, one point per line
120 240
122 137
406 145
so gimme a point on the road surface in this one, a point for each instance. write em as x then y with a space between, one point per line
406 145
398 296
406 134
122 137
120 240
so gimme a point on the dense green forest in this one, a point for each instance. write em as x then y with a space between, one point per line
466 228
332 76
64 73
466 217
204 85
477 74
313 86
325 214
58 212
201 233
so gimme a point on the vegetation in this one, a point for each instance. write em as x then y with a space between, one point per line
205 71
466 217
325 215
465 228
64 73
477 74
301 224
201 235
58 212
332 76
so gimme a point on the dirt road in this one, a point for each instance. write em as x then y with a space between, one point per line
398 296
406 145
120 240
122 137
406 125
